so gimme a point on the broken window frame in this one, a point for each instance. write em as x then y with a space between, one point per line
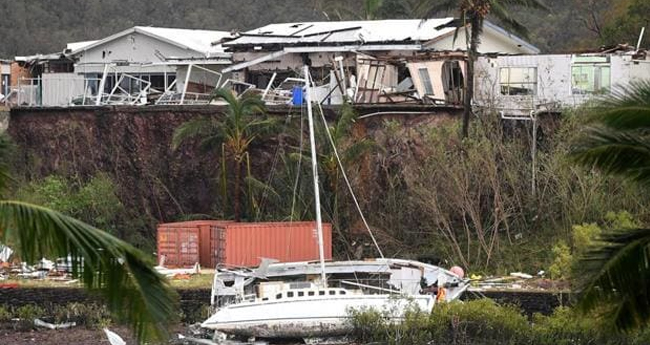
425 77
527 82
595 78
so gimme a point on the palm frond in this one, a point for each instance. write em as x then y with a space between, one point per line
431 8
529 4
626 108
196 128
123 275
260 186
502 14
614 152
619 277
6 149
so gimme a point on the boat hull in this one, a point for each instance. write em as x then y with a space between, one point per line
309 317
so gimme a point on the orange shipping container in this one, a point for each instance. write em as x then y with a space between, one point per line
239 244
245 244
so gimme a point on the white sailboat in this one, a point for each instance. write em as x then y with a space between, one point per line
298 300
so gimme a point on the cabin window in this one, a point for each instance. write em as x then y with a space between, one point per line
278 296
518 81
311 293
301 294
591 78
321 293
332 292
290 294
426 80
341 292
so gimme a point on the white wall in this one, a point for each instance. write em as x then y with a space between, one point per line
490 43
134 48
554 81
60 88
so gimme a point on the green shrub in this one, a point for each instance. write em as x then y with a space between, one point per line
562 261
5 314
485 322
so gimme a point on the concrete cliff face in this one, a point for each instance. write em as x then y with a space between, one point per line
133 145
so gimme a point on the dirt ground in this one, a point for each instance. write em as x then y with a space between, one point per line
72 336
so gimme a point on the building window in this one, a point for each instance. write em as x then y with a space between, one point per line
301 294
289 294
332 292
426 80
590 78
321 293
278 296
518 81
311 293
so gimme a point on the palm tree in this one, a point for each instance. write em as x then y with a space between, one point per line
616 271
242 123
120 273
472 14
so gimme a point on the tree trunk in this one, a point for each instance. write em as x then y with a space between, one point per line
237 191
475 40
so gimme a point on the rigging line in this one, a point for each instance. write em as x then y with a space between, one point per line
345 176
300 148
274 165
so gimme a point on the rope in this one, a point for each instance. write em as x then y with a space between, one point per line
300 148
345 176
274 165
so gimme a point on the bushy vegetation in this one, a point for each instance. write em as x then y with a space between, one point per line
95 201
485 322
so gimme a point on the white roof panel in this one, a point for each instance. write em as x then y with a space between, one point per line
372 31
199 40
78 45
205 42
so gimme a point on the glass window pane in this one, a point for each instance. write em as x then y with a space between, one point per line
426 81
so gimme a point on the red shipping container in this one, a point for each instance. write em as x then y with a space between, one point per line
245 244
185 243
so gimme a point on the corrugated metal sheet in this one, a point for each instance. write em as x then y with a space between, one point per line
179 246
185 243
245 244
346 32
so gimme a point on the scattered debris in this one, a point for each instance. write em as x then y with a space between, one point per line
178 273
41 323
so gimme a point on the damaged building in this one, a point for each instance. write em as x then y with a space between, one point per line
520 86
383 61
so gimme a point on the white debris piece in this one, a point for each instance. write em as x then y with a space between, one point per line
41 323
113 338
521 275
5 253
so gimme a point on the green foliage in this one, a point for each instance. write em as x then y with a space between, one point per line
626 27
560 269
124 276
89 314
615 272
232 134
95 202
29 312
5 314
485 322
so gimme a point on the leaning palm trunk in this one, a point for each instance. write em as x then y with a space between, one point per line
475 41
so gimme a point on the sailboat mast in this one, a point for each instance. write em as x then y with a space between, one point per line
314 166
